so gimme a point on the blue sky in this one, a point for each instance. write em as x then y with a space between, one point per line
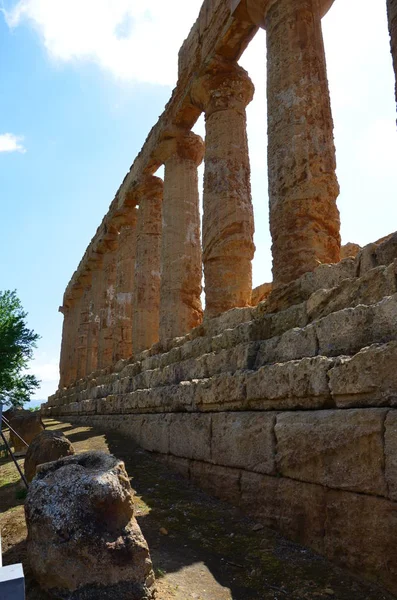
81 84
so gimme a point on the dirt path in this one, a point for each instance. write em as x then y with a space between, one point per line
201 548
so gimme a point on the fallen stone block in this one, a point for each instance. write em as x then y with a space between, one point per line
83 540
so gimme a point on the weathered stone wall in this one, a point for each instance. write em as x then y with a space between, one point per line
287 409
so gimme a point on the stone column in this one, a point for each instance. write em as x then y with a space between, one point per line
73 319
304 219
94 319
106 312
181 264
146 294
228 222
125 266
82 333
392 17
63 360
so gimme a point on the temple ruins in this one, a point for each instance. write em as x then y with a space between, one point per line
281 400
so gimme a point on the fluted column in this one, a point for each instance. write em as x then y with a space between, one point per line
146 294
228 223
125 266
181 264
82 333
94 318
304 219
63 360
392 17
106 312
72 340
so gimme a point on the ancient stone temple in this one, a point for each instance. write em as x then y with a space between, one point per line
281 400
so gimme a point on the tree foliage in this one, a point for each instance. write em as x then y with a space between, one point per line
16 349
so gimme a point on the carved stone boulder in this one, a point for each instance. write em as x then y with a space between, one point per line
46 447
27 424
83 540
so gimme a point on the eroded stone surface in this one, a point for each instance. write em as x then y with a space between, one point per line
339 449
303 188
228 222
83 539
146 295
244 440
368 378
46 447
391 453
180 305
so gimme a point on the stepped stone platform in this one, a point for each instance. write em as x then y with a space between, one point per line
287 409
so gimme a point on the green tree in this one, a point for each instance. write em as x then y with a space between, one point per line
16 349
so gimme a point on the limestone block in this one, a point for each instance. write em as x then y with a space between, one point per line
368 289
151 362
349 330
296 292
131 426
221 482
338 449
291 345
295 384
386 252
241 357
369 378
172 356
155 432
295 509
88 407
296 343
366 259
73 408
221 391
132 369
190 436
245 440
195 348
360 532
391 453
231 337
227 320
193 368
266 352
271 325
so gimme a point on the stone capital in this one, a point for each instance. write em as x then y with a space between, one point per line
258 9
151 186
225 85
183 143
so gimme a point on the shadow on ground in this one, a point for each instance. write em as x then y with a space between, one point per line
204 549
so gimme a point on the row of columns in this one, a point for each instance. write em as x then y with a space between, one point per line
146 286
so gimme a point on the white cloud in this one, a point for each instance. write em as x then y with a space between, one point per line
134 40
11 143
47 371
